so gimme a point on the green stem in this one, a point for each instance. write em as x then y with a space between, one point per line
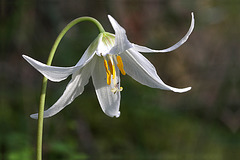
44 82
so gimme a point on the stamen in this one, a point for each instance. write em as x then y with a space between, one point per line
107 72
120 65
114 90
120 89
110 66
110 70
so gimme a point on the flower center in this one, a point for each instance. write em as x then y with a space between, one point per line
105 44
111 71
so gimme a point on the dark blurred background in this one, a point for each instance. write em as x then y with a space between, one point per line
200 124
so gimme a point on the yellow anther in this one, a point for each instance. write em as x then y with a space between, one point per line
107 72
121 88
120 65
108 78
112 68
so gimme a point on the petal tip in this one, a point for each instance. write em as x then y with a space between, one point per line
182 90
112 20
185 89
109 16
117 115
192 14
193 21
34 116
188 89
25 57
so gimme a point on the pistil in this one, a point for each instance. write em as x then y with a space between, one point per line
112 67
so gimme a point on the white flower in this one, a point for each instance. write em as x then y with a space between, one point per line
104 59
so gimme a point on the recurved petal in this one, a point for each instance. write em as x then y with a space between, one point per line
52 73
74 88
175 46
108 100
121 41
57 74
140 69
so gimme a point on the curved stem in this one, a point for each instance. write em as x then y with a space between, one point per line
44 82
63 32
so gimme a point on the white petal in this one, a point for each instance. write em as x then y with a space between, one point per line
74 88
109 101
178 44
52 73
140 69
57 74
121 41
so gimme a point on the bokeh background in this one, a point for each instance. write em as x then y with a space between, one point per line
200 124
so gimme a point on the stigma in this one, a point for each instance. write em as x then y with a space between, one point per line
110 63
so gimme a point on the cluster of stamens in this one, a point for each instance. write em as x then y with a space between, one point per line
111 71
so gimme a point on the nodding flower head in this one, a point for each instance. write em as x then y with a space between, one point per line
107 57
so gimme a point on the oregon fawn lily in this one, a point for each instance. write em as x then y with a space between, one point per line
108 56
